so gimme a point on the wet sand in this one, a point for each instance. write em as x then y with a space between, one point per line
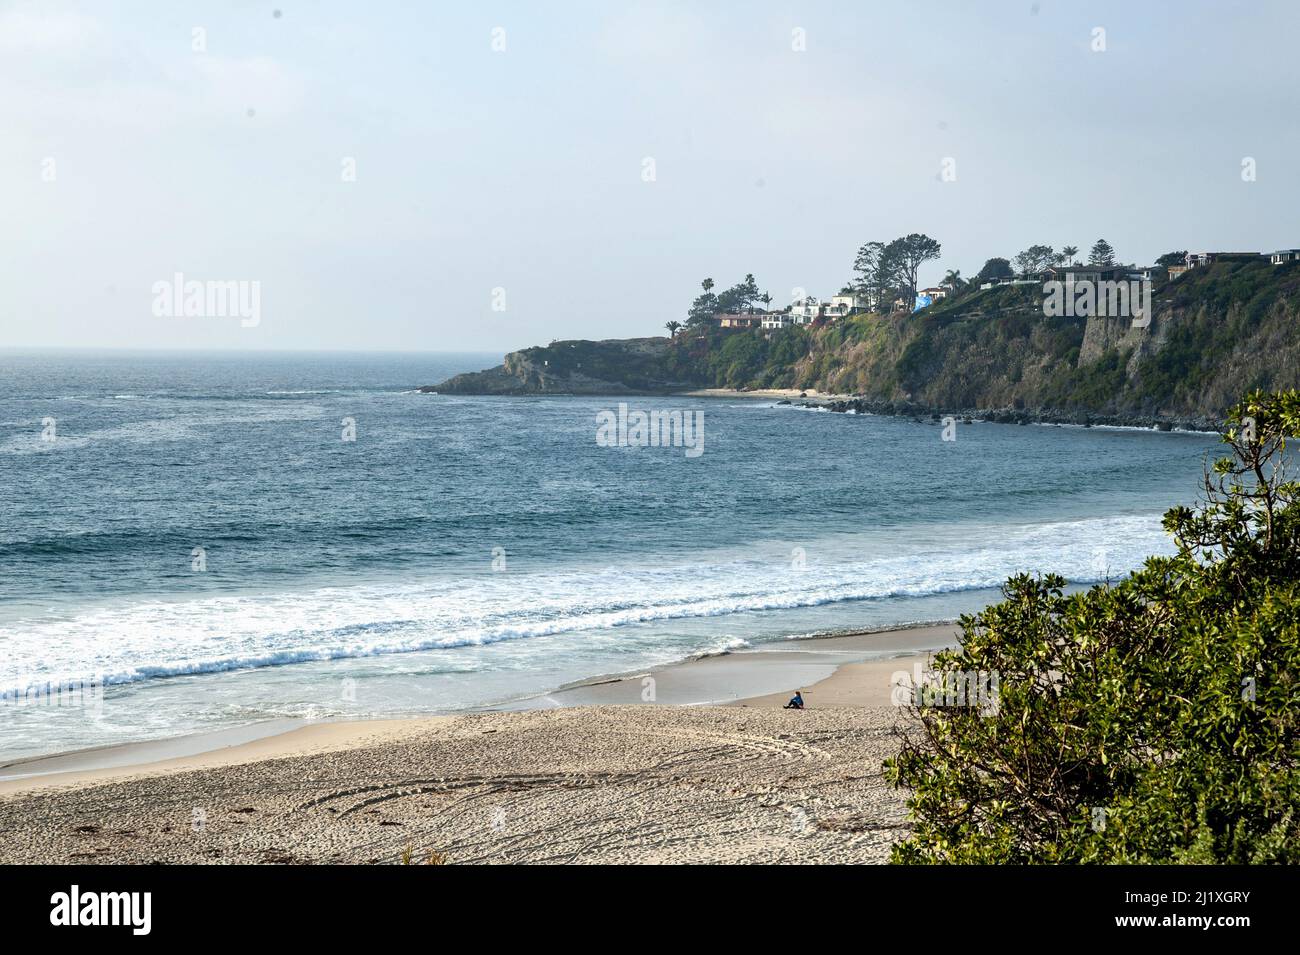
592 772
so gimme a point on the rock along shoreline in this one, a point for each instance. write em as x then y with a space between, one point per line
1025 416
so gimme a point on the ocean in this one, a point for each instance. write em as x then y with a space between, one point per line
212 540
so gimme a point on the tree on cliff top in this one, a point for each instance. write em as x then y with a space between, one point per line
1101 253
995 268
1034 259
740 297
871 279
904 257
704 307
1156 719
884 269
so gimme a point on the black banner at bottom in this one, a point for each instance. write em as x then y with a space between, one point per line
302 904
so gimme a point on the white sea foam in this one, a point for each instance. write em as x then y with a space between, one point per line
728 645
152 640
175 428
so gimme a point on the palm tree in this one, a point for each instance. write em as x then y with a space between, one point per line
672 328
1067 255
953 280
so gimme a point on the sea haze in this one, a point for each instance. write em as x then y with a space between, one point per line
464 551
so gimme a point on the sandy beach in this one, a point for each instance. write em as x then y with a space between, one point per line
590 773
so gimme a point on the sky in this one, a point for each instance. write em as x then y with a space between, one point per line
488 176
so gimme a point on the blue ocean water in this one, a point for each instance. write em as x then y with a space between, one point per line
199 536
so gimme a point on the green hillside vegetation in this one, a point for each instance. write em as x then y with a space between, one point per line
1217 331
1156 719
1230 320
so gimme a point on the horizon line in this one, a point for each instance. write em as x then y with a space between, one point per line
127 349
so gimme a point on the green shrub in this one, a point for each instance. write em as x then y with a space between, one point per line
1152 720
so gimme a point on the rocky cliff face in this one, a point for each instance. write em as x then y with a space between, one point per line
1216 333
1101 334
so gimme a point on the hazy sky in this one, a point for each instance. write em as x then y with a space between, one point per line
126 155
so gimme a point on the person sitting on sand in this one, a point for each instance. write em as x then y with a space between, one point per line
796 701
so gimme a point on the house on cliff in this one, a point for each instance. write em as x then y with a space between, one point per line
1200 259
776 320
1070 274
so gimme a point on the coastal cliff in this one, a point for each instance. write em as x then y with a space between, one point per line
1216 333
609 367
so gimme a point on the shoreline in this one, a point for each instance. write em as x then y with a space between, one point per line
835 670
858 404
793 394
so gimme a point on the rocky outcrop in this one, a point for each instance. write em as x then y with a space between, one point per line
1019 415
610 367
1103 333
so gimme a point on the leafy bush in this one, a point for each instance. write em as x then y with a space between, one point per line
1152 720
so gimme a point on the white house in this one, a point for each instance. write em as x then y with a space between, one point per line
777 320
1285 255
806 311
803 311
841 305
